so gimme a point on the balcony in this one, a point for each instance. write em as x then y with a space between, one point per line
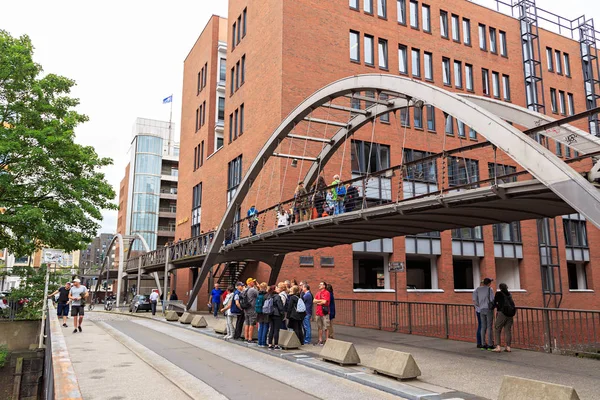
169 176
167 212
168 193
166 231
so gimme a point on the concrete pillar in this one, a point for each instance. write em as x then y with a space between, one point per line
139 277
167 264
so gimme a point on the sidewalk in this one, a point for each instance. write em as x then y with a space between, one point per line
460 366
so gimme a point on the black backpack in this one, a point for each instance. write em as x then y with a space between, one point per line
508 308
244 302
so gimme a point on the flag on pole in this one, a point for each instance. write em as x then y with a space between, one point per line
167 100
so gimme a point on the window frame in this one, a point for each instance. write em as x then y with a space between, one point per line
466 28
567 64
558 62
506 87
493 41
414 51
469 78
370 38
414 22
571 105
562 102
427 55
444 23
485 81
554 100
496 85
382 49
456 37
403 49
458 78
550 59
382 5
503 44
448 124
418 122
483 37
446 72
371 7
358 47
426 17
401 12
357 5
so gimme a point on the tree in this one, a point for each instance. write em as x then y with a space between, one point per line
51 189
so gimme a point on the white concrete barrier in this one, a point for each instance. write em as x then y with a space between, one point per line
340 352
514 388
395 363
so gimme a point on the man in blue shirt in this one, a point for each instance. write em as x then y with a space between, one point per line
252 219
307 297
215 299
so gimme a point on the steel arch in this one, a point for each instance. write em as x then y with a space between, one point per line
536 159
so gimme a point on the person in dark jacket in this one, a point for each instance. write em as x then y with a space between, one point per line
331 310
275 318
505 305
173 296
295 318
318 199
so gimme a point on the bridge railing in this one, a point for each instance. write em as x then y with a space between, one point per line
542 329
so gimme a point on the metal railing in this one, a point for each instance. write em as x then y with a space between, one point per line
551 330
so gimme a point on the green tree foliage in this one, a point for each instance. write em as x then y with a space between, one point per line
51 190
29 296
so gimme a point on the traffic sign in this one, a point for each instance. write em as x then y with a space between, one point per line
396 266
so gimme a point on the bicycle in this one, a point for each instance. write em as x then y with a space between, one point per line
92 304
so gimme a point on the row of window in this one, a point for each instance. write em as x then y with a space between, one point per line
236 123
239 29
201 84
561 103
493 42
238 74
201 116
556 62
199 156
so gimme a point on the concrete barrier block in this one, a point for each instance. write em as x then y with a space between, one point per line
186 318
288 339
220 326
340 352
172 316
199 322
395 363
514 388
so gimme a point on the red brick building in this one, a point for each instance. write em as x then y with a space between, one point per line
247 72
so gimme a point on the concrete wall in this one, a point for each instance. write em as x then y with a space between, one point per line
18 335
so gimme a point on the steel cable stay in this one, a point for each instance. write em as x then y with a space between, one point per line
366 178
403 170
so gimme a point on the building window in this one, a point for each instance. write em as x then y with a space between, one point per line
507 271
205 73
402 59
199 83
418 117
197 118
461 129
428 65
354 4
219 142
401 11
466 31
369 51
449 125
241 119
475 233
558 149
370 271
567 64
567 152
416 63
455 28
458 74
203 117
196 209
383 54
472 133
405 117
503 48
221 110
232 81
234 177
577 276
231 138
553 100
235 122
239 33
354 46
384 117
421 273
558 62
482 38
426 17
237 75
222 71
571 104
431 118
414 14
575 233
562 102
462 171
234 31
485 81
446 71
469 77
493 42
367 157
382 8
500 171
496 84
506 87
202 153
368 6
245 19
444 24
464 271
243 74
549 59
508 233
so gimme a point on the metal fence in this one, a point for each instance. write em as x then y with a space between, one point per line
541 329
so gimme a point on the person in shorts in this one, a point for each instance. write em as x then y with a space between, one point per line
63 302
322 299
250 314
77 293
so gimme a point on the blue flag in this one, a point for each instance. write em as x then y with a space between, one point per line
167 100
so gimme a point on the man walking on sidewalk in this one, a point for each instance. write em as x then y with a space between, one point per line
63 302
483 299
77 293
154 300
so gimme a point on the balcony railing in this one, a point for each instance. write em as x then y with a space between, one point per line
166 228
168 209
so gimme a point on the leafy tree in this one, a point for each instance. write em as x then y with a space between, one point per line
51 190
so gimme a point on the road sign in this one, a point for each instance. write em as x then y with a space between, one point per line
396 266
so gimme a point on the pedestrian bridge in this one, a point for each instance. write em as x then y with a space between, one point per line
435 189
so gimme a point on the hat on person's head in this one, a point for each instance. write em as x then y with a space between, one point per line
76 280
239 284
487 281
250 280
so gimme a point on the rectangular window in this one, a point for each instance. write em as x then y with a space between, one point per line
420 172
221 109
509 233
222 70
421 273
367 157
205 69
232 81
462 171
202 153
444 24
382 8
199 82
446 71
235 122
499 171
466 31
196 206
493 42
558 149
383 54
241 120
203 112
426 17
195 157
404 117
482 38
506 87
418 117
239 33
575 233
245 19
485 81
354 4
458 74
431 118
243 74
384 117
402 59
463 271
571 104
461 129
449 124
368 6
472 133
558 62
355 46
549 59
553 100
416 63
369 51
230 128
401 4
455 28
496 84
414 14
503 46
428 65
567 152
469 77
577 276
234 31
234 176
567 64
562 102
237 75
197 118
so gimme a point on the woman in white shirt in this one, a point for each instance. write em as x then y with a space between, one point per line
282 218
227 310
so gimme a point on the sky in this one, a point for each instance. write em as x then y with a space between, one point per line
126 56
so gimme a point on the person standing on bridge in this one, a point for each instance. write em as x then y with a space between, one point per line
77 293
252 215
154 300
63 302
483 299
300 203
319 196
338 192
215 299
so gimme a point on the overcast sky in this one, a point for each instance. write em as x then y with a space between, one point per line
126 56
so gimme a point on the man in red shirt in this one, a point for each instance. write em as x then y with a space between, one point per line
322 300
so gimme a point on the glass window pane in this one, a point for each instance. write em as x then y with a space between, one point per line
354 46
369 56
401 7
426 15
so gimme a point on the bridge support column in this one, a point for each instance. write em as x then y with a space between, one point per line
157 280
167 263
139 277
275 268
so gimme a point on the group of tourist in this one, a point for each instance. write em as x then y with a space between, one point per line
485 302
287 305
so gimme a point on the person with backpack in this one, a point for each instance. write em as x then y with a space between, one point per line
331 310
338 193
504 317
262 318
483 299
248 303
283 293
239 311
351 200
229 310
300 203
276 311
252 215
318 198
296 311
